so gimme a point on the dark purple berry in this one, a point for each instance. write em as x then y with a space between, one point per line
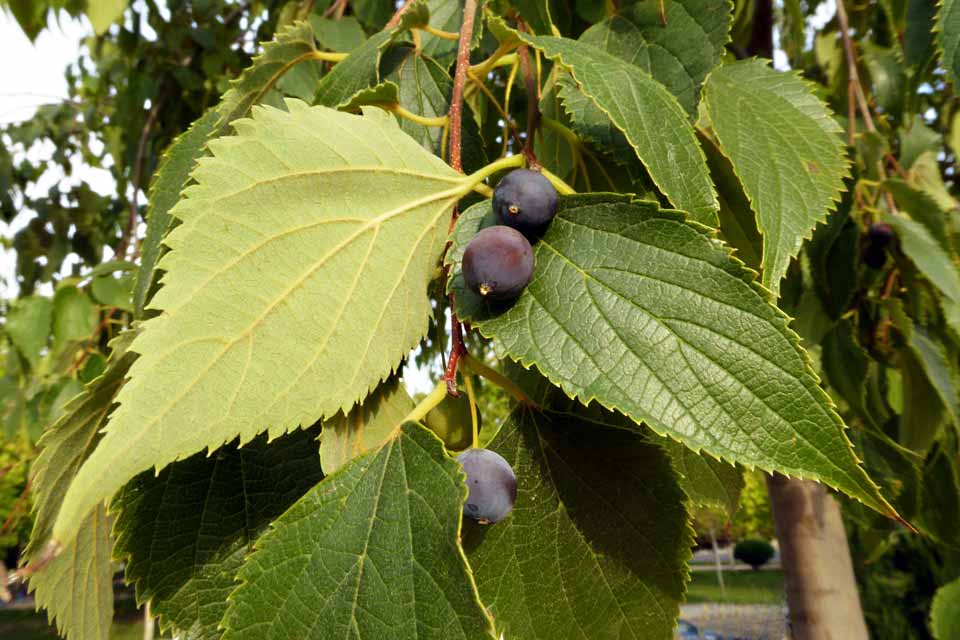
492 484
526 201
874 257
498 263
880 234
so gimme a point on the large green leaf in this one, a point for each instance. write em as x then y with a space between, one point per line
171 177
371 553
650 316
945 612
295 283
359 71
652 120
948 37
366 427
679 54
708 482
185 532
76 587
28 325
597 543
292 45
786 149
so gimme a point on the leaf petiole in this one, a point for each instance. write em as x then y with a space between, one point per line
562 187
476 366
439 121
510 162
434 398
473 411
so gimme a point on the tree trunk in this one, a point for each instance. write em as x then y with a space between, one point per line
821 589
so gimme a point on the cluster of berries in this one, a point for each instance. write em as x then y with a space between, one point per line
498 261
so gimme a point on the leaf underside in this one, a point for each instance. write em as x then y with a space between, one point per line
295 283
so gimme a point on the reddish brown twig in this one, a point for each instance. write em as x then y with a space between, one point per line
395 20
533 104
456 121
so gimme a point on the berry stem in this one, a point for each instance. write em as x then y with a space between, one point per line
562 187
468 382
434 398
478 367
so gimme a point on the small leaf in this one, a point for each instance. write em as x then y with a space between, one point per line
113 292
597 542
74 317
372 552
295 284
708 482
648 315
368 426
650 117
103 13
185 532
359 71
341 35
786 149
947 31
28 325
678 55
945 612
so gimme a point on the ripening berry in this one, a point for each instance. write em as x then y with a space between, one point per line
874 257
492 484
498 263
526 201
880 234
451 421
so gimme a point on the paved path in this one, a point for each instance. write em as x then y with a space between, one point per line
747 621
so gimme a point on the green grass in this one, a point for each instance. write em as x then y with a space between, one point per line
743 587
26 624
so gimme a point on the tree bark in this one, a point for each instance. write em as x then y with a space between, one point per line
821 588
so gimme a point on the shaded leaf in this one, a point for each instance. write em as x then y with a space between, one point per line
678 55
371 552
786 149
597 541
366 427
359 71
341 35
185 532
74 316
708 482
945 612
339 259
28 325
648 315
947 32
633 101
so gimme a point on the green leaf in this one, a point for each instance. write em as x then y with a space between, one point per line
74 317
103 13
296 283
359 71
845 364
888 75
834 260
939 513
933 262
708 482
922 418
292 45
371 552
536 13
113 292
786 149
185 532
67 443
28 325
652 120
917 44
945 612
947 32
170 179
922 207
341 35
597 542
650 316
678 55
76 587
917 138
366 427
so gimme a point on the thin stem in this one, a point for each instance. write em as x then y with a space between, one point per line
510 162
506 105
475 426
562 187
485 190
439 121
127 239
440 33
328 56
481 85
852 66
501 57
434 398
533 102
477 366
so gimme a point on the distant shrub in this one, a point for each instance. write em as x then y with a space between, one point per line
755 553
